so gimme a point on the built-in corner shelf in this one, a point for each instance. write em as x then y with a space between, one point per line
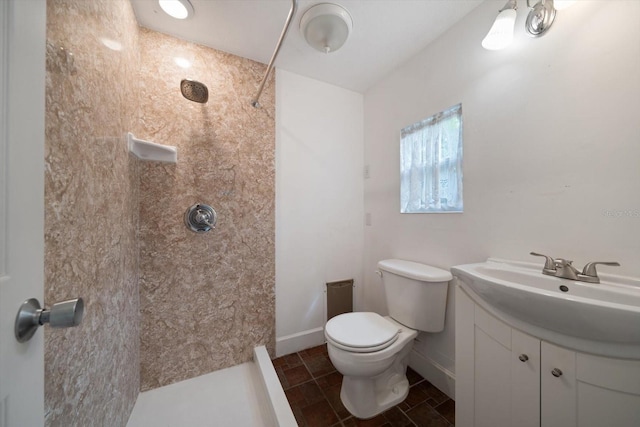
150 151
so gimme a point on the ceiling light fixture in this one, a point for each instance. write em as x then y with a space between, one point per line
326 26
179 9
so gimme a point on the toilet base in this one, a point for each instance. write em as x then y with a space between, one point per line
366 397
373 405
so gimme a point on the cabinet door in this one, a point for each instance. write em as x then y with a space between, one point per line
507 375
608 391
525 380
492 388
558 386
483 367
464 358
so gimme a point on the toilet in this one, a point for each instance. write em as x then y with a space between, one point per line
372 351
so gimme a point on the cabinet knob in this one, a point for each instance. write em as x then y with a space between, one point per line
556 372
523 357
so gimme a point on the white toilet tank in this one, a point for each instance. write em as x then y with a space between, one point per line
416 293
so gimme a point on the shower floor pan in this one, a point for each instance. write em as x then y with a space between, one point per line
248 395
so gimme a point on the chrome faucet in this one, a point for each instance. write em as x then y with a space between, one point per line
565 270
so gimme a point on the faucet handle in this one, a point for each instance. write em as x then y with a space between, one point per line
549 264
590 268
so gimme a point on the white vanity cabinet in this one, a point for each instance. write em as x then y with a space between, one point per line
506 378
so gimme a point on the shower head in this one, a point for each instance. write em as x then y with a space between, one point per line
194 91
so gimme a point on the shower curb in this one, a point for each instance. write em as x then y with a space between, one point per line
281 411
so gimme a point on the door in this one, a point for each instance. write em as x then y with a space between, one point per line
506 374
608 391
22 100
558 386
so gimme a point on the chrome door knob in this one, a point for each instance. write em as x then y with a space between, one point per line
63 314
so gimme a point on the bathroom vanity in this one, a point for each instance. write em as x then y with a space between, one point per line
516 367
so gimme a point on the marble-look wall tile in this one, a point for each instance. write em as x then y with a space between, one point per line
91 218
206 299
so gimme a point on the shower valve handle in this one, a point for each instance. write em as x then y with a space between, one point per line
204 217
200 218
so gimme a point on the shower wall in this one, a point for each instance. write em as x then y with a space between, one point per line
91 218
206 299
162 304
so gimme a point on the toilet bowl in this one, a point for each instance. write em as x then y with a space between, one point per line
373 377
372 351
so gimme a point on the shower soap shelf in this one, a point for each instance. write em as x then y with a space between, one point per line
150 151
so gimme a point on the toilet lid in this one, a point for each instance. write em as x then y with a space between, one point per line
361 330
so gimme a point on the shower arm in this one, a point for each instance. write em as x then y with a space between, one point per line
292 11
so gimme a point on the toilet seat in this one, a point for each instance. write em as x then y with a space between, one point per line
361 332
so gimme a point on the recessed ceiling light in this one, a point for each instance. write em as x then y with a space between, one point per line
179 9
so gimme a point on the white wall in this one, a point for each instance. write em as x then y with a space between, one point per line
551 144
319 202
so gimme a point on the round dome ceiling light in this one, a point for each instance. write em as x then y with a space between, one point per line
179 9
326 26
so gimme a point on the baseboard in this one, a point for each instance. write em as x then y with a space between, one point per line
433 372
299 341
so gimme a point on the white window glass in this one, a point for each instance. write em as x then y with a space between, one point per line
431 164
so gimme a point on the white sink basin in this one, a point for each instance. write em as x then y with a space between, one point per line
606 312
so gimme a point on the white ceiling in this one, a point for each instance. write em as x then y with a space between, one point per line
385 33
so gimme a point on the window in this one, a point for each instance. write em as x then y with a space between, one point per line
431 164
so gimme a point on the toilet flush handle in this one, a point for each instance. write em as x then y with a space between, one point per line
379 273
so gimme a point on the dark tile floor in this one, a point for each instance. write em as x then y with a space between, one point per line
312 386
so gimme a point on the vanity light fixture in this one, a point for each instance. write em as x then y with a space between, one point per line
540 17
501 33
539 20
179 9
326 26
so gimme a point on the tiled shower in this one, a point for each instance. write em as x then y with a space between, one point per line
114 225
